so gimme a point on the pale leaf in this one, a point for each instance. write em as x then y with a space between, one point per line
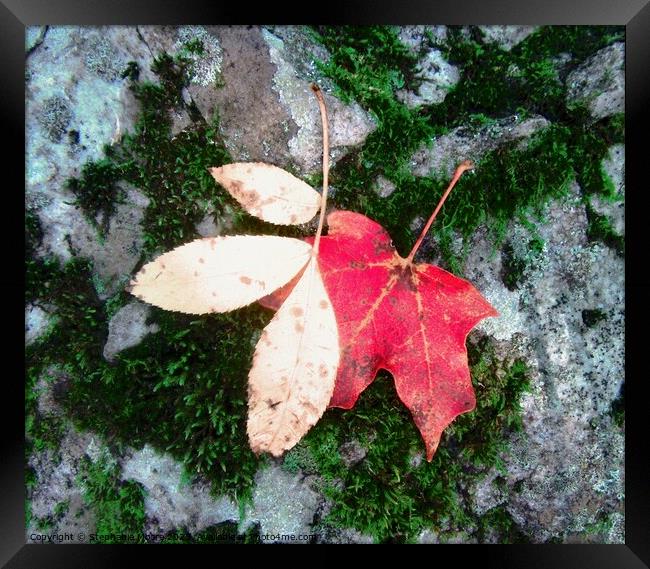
269 192
218 274
294 367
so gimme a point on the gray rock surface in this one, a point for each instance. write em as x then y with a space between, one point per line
76 102
507 37
283 504
56 484
417 37
383 187
437 77
37 322
349 125
466 143
352 452
56 472
34 36
267 111
568 467
170 501
599 83
127 328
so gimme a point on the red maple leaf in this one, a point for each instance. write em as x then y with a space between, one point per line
410 319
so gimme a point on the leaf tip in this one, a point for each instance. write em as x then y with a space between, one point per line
432 446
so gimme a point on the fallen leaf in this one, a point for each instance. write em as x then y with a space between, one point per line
219 274
269 192
410 319
294 367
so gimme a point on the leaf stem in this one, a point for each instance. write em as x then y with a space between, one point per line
462 167
326 156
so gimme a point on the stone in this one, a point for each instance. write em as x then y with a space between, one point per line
349 125
417 37
568 466
267 111
466 143
76 102
68 233
599 82
507 37
34 36
37 323
207 227
56 483
302 52
436 79
127 328
352 453
283 505
435 75
171 503
383 187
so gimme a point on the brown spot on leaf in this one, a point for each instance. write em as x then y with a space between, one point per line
323 371
162 266
299 327
245 280
250 198
196 273
357 265
214 293
201 260
297 311
293 217
213 243
323 304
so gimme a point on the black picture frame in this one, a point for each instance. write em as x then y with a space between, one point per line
15 15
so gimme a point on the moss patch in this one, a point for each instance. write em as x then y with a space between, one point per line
118 504
393 494
508 183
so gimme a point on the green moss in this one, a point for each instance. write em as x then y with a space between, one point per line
514 266
591 317
118 505
391 494
182 390
97 191
499 522
42 431
601 229
617 409
509 183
